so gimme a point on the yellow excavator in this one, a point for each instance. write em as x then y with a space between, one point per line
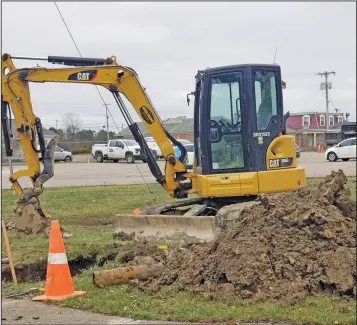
240 142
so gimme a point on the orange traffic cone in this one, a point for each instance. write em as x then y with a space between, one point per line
59 284
318 148
136 212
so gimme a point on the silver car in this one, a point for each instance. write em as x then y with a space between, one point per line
62 155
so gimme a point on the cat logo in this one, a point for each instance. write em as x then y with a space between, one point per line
281 162
274 163
88 75
83 76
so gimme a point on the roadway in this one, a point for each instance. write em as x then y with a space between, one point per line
86 172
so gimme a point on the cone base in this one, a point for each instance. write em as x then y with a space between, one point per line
45 297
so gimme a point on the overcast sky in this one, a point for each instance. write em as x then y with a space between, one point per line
166 43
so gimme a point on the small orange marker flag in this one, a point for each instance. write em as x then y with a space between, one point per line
59 285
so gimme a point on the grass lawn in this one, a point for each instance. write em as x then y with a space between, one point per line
89 214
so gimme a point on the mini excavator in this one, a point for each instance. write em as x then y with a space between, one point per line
240 142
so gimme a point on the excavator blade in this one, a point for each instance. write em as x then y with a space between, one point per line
200 227
195 218
182 217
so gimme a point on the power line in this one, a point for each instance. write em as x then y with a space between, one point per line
336 109
79 52
69 32
107 109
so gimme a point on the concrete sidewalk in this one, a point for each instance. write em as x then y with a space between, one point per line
22 311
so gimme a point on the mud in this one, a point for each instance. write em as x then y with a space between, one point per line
281 247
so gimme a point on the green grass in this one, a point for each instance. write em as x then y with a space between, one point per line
122 301
89 214
86 212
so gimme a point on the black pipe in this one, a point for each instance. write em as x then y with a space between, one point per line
5 128
78 62
285 119
150 159
41 137
179 145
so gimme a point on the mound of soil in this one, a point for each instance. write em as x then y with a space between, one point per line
282 247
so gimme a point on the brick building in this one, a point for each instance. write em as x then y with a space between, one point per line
309 128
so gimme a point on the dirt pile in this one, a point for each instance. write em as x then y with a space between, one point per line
283 247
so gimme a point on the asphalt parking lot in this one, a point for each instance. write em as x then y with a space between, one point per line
84 171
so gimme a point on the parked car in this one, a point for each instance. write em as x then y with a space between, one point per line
297 149
62 155
154 147
344 150
59 154
184 142
116 150
190 154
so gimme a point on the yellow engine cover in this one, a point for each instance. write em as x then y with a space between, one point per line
250 183
281 175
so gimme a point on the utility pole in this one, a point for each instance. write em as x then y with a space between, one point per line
56 124
326 86
107 117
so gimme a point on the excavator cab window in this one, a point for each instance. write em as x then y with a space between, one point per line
225 118
265 98
238 112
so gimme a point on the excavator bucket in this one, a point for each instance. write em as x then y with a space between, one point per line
30 217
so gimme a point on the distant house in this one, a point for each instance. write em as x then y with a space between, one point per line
179 127
339 132
309 128
18 154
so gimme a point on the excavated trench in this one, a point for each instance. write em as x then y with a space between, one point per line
37 271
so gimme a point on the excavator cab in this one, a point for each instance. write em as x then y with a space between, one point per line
239 128
238 112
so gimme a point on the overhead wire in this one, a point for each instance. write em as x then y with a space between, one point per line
79 52
107 109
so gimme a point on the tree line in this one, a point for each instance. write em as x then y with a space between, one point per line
73 130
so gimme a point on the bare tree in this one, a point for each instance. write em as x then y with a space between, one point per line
72 123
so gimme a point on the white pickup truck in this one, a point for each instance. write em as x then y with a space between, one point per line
119 149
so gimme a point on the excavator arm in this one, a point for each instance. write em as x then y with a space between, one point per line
106 73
